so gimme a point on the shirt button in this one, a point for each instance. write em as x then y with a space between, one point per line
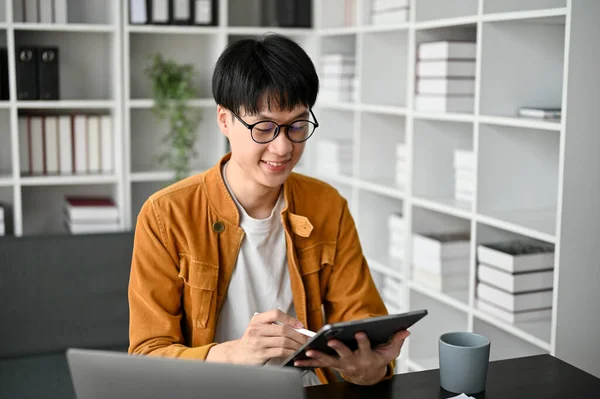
218 227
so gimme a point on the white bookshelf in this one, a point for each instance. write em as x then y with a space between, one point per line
526 54
535 179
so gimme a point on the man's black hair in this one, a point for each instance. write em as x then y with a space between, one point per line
272 68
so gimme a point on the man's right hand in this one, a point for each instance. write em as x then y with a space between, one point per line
262 340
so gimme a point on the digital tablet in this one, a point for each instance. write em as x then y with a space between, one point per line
379 330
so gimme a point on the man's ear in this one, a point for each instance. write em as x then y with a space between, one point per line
223 120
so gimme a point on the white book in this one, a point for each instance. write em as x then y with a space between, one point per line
30 11
514 302
92 228
515 283
541 113
447 50
401 150
106 144
446 69
2 229
517 255
441 266
90 210
390 17
464 196
442 245
36 138
181 9
465 174
397 253
45 11
464 159
24 145
465 186
203 12
513 317
60 11
138 13
396 222
446 86
442 283
93 143
464 104
338 70
160 11
381 5
338 58
80 144
65 145
51 139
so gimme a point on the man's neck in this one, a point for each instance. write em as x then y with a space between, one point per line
258 201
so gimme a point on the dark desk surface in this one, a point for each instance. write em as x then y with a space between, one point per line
541 376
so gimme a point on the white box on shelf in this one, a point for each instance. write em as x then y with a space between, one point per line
465 160
347 69
396 222
515 302
381 5
441 282
517 255
441 266
464 104
338 58
390 17
465 175
447 50
446 69
515 282
513 317
442 245
451 87
91 228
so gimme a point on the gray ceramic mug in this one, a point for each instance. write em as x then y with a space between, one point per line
464 359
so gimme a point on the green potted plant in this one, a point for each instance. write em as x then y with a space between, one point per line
172 88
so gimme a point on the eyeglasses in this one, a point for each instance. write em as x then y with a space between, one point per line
263 132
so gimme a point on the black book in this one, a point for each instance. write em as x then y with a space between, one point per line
181 12
304 13
4 88
48 79
27 76
160 12
286 13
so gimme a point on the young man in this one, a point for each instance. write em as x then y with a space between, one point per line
249 236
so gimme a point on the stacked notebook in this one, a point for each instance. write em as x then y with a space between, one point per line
334 157
389 12
397 240
441 260
515 280
446 76
338 81
86 215
464 175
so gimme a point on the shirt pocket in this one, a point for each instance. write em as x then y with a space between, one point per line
315 266
200 285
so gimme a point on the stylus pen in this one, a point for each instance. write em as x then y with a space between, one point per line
303 331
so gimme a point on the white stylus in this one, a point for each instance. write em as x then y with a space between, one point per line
303 331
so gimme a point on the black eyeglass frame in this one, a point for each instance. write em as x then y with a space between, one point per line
278 127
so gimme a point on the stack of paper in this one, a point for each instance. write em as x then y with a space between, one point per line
334 157
86 215
397 233
338 81
389 12
464 175
401 165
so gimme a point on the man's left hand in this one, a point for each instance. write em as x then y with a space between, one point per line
364 366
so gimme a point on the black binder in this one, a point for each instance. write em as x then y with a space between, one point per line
286 13
48 79
4 88
27 76
304 13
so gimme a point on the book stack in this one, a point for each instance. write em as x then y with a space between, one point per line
392 294
86 215
173 12
338 82
397 242
66 144
2 228
515 280
334 157
401 165
552 114
440 261
389 12
36 11
446 77
464 175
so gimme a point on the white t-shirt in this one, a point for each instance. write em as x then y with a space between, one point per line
260 279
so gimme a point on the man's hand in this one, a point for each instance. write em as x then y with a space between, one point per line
262 340
364 366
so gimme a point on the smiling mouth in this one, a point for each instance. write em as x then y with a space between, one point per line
276 164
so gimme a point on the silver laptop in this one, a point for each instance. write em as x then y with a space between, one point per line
116 375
